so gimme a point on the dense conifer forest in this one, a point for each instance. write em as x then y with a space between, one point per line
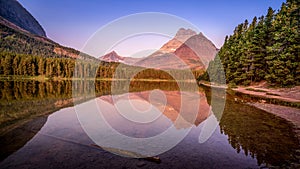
25 65
25 55
266 49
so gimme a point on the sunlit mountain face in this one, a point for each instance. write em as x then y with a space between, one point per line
151 100
187 50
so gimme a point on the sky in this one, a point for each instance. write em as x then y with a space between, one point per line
72 22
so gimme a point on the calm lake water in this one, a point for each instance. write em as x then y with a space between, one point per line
40 127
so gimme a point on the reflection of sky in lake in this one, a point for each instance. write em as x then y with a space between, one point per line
62 138
62 143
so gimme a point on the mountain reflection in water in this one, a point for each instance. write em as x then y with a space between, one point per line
245 138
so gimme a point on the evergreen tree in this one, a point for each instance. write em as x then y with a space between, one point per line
7 65
41 66
267 49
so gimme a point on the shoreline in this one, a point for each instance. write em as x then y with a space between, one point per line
281 102
278 96
290 114
283 96
213 85
43 79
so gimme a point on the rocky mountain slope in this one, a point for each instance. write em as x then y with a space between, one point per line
187 50
114 57
14 12
20 40
193 53
197 51
181 36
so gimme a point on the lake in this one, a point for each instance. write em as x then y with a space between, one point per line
46 125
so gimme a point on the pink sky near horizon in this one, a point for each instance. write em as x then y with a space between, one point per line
72 23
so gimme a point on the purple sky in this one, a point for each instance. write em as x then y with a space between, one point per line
72 22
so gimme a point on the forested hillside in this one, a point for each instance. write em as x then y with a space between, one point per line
12 64
23 54
267 49
15 13
14 39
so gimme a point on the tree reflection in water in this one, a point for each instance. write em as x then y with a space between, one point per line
264 136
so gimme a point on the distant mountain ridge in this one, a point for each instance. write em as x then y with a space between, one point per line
14 12
112 57
187 50
22 34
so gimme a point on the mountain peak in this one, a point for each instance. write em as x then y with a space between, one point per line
112 53
112 57
195 52
201 34
199 49
184 34
181 36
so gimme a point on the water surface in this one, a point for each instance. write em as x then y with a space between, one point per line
245 137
